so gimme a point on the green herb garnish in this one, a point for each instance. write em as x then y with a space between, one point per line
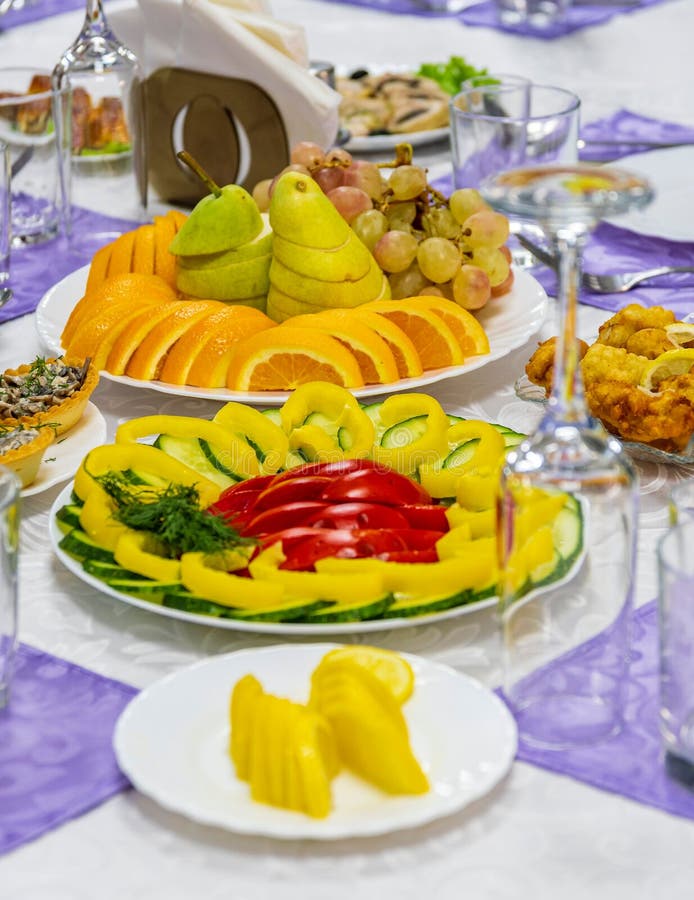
452 74
172 514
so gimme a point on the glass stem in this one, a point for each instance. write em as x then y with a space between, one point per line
567 401
95 20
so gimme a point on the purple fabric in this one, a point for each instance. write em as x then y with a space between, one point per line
34 10
577 17
633 129
631 763
403 7
34 269
56 758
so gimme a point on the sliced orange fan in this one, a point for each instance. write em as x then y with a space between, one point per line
164 262
468 330
434 341
280 359
134 333
121 261
404 352
144 250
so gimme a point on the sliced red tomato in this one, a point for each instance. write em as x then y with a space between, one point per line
241 497
305 487
302 555
409 556
289 515
357 515
417 538
329 469
375 486
427 516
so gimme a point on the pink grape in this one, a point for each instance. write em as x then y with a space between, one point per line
261 194
307 154
329 179
366 176
493 262
395 251
486 228
349 201
471 287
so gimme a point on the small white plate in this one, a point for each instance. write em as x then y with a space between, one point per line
372 143
93 158
171 741
63 457
509 322
670 213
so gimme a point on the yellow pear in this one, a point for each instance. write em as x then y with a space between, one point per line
348 262
334 294
300 212
234 281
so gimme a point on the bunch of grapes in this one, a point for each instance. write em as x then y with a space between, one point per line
425 243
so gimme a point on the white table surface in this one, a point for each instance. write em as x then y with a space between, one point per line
537 834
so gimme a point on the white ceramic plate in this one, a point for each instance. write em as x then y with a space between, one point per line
670 214
509 322
171 742
373 143
63 457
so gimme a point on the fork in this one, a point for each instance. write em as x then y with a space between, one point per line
602 284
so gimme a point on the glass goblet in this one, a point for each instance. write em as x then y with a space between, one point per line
566 643
106 173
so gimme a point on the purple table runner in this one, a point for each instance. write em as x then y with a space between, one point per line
36 268
630 764
56 758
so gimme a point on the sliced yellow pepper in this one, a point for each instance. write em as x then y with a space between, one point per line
201 574
337 413
144 458
265 438
96 518
234 452
454 541
482 522
531 517
314 585
488 452
478 490
314 444
141 552
427 448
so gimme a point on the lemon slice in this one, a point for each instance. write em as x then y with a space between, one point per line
668 364
681 333
391 670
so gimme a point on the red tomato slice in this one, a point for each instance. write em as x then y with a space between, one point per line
329 469
417 538
288 516
427 516
358 515
302 554
375 486
304 487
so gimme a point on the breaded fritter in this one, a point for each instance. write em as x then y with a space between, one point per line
540 366
617 330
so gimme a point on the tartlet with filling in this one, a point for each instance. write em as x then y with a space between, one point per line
22 449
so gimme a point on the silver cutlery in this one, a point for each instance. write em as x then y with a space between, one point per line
647 145
602 284
5 295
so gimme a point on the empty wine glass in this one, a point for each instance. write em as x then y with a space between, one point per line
565 643
106 172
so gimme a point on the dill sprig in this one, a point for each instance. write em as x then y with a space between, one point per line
171 513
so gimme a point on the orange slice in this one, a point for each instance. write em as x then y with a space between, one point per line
434 341
99 267
468 330
232 322
178 217
147 361
143 252
373 355
122 254
404 352
135 288
280 359
134 333
210 366
164 262
96 334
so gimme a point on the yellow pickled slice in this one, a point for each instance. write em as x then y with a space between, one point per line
242 708
390 668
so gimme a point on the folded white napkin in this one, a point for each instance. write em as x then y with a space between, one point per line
239 39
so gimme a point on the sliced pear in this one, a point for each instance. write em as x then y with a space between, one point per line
281 307
261 245
219 223
331 294
300 212
237 281
348 262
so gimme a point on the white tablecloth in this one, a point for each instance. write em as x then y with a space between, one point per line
537 834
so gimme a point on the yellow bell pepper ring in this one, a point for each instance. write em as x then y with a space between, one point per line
234 452
426 449
488 452
157 467
201 575
265 438
142 553
334 410
315 444
443 578
97 519
478 490
482 523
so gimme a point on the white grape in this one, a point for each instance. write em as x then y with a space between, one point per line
261 194
408 283
407 182
464 202
439 222
438 259
493 262
486 228
395 251
369 227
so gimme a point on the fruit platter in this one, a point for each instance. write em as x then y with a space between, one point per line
354 273
322 516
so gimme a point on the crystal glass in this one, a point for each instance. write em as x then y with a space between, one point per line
107 169
9 549
566 644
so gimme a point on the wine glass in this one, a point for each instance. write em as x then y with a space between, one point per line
565 644
106 171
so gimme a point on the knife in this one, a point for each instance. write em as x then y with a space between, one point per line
544 256
21 161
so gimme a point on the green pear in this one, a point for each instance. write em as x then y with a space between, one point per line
234 281
261 245
219 222
348 262
333 294
280 307
300 212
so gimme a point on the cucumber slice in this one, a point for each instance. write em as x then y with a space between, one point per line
549 571
461 454
145 590
212 456
286 612
199 456
512 438
567 531
352 612
81 546
69 516
75 500
321 421
404 433
273 415
453 420
108 571
408 607
190 603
